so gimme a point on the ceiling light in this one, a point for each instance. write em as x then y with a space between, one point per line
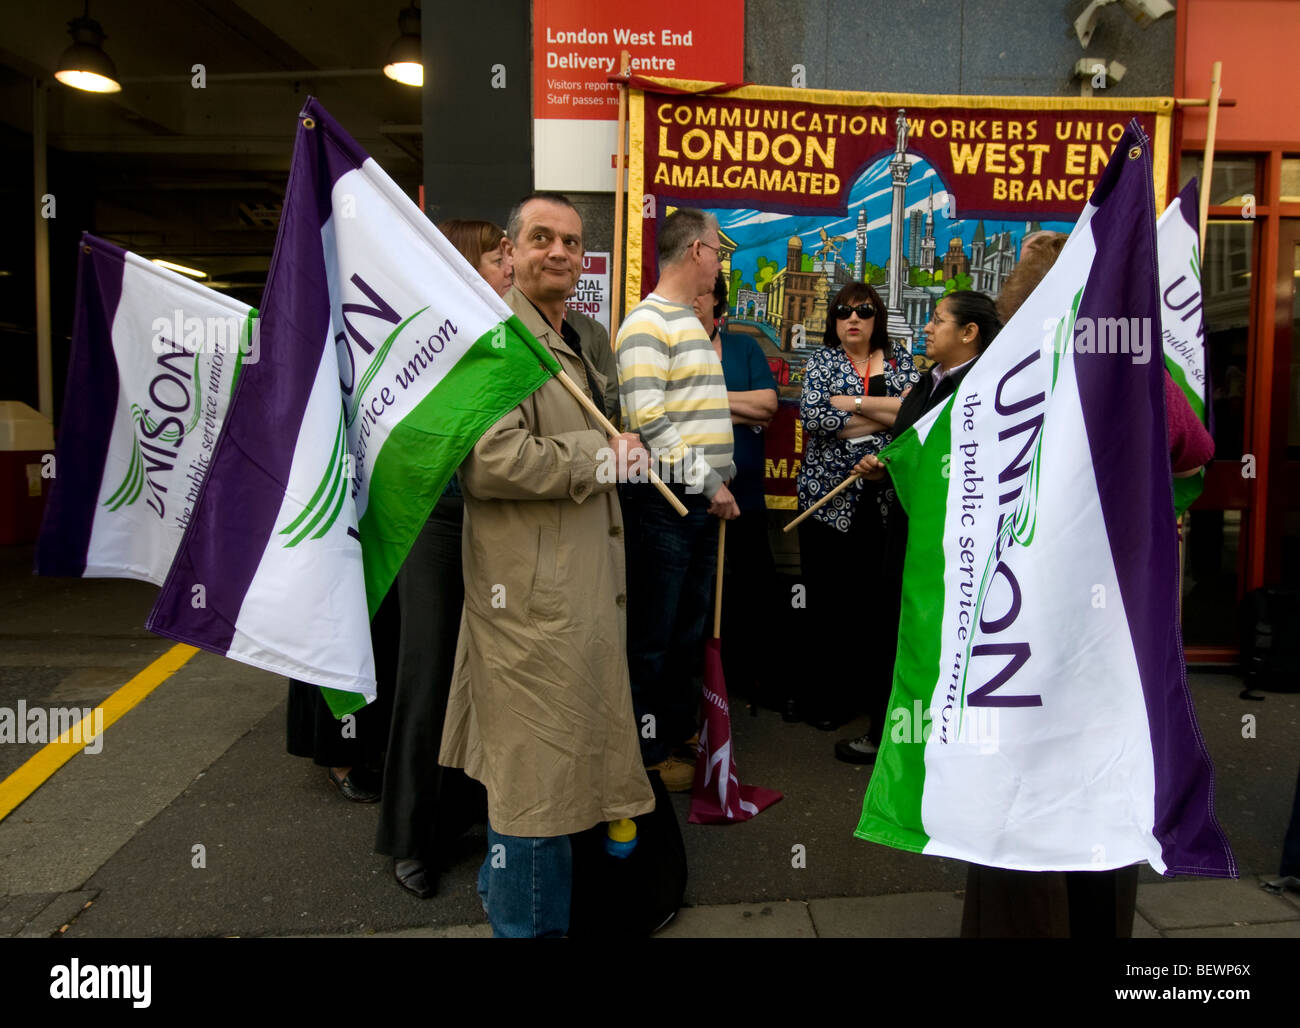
192 272
405 58
84 65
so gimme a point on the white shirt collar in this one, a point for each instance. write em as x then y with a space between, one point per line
939 376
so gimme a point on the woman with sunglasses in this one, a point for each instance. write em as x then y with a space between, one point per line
852 389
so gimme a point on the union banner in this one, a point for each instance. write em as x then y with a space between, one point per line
917 195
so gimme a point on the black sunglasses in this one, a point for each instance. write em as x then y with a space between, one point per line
864 311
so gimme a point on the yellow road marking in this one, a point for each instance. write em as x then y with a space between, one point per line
37 771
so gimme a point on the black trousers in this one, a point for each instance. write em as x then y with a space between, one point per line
754 613
426 807
845 609
1002 904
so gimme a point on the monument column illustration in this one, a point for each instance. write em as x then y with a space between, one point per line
900 169
860 258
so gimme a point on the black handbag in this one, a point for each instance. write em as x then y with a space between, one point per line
632 896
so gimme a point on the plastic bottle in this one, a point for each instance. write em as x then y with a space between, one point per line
620 838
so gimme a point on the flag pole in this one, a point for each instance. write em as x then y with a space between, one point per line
581 396
616 292
1207 164
853 477
1207 176
717 596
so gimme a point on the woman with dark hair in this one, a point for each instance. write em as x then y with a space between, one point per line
852 388
484 245
427 807
961 328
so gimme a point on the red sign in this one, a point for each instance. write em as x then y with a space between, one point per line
577 43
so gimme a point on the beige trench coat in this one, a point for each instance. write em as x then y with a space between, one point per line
540 709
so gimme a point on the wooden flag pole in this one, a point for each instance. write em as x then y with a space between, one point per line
616 290
717 596
1207 177
853 477
1207 165
581 396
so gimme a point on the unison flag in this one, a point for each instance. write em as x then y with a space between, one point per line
154 359
1178 244
384 357
1040 717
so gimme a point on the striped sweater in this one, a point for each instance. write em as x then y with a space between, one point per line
673 394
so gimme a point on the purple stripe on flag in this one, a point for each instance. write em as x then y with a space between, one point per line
89 407
1124 413
254 453
1189 205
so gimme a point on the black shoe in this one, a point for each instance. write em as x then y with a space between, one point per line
350 789
412 876
856 751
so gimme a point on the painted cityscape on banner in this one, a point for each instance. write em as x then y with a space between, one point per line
784 270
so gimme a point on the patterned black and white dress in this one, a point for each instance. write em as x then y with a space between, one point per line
827 459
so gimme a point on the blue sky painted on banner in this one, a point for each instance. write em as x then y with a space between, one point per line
765 233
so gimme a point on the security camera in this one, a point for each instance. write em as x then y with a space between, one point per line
1086 24
1093 68
1144 12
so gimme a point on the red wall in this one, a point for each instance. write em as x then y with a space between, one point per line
1258 42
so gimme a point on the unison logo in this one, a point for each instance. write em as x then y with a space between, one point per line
107 981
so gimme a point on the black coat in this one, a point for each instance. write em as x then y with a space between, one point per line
925 396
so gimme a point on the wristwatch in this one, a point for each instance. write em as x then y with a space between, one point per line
857 405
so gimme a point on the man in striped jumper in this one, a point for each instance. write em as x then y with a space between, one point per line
675 398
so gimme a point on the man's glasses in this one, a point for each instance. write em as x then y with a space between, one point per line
863 311
715 249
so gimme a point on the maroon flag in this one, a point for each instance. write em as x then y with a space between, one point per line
718 797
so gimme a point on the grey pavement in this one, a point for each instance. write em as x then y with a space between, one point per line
194 822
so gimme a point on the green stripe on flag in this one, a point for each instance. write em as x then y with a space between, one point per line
246 346
891 809
341 702
426 447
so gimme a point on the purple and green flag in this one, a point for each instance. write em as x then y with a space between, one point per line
384 357
154 360
1040 717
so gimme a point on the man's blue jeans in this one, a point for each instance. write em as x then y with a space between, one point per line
671 562
525 885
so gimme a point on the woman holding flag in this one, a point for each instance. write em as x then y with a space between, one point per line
426 807
961 328
852 388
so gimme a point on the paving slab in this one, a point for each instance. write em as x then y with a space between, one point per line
61 911
1275 930
17 911
1144 929
915 915
1208 903
782 920
96 803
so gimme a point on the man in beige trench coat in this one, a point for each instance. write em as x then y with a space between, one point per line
540 709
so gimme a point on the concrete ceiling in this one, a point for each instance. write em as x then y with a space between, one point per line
199 173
